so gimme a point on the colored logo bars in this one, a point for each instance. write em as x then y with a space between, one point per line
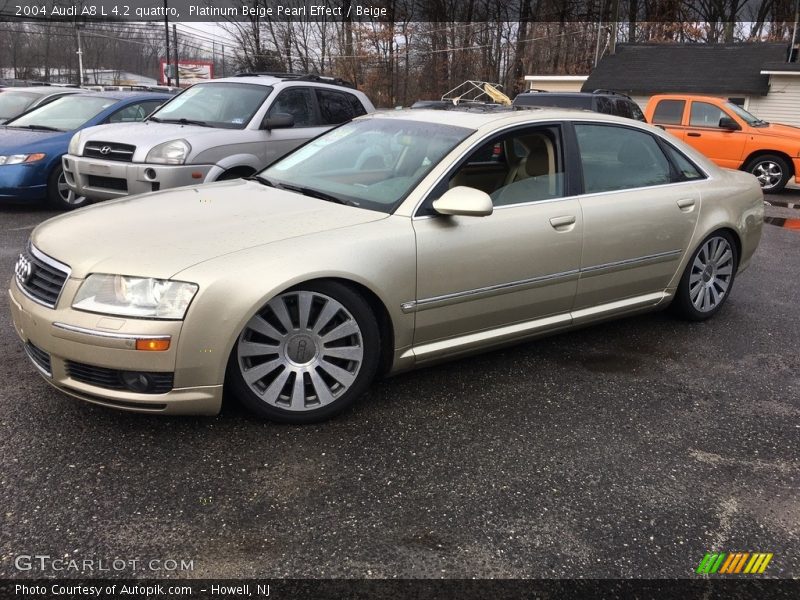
733 563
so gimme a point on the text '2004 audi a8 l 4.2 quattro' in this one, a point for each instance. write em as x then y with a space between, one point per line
393 241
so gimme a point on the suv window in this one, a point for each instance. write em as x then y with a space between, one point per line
704 114
618 158
669 112
338 107
295 101
637 112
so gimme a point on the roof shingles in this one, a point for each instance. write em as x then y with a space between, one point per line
725 69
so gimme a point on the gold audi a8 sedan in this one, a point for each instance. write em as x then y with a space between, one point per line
393 241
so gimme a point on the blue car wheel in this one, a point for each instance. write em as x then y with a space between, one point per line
59 194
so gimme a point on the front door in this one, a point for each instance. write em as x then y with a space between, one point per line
723 146
512 273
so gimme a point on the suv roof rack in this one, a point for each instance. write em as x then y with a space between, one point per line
299 77
612 92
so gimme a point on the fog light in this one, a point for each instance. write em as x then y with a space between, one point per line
136 382
150 173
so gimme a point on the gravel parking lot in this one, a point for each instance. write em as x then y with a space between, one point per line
628 449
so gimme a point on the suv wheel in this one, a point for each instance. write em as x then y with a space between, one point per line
307 355
772 172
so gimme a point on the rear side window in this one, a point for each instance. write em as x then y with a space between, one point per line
636 112
619 158
669 112
686 169
338 107
605 105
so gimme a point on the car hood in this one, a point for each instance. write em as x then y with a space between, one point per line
779 130
162 233
147 134
21 140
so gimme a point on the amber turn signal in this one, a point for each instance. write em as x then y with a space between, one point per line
152 345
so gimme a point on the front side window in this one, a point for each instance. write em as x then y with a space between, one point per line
370 163
705 115
65 114
298 103
669 112
619 158
222 105
523 166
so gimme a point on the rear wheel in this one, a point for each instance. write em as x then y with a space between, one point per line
59 194
307 355
707 281
772 172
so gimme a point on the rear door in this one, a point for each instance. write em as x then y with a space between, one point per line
639 211
668 114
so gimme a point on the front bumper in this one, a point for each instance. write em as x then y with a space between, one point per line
796 164
68 337
106 179
23 182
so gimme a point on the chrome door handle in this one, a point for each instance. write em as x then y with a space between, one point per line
686 204
564 223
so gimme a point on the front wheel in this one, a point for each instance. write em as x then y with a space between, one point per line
707 281
772 172
59 194
306 355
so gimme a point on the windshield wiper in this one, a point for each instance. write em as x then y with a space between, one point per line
37 127
312 193
183 122
261 180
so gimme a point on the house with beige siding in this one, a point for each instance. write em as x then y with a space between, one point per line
757 76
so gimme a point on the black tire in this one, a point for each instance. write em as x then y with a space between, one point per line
271 403
769 168
710 274
57 198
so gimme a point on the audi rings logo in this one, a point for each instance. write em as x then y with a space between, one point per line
23 269
105 150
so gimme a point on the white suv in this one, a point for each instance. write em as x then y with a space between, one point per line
221 129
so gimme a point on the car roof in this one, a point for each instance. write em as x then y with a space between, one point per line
477 120
253 79
43 90
127 95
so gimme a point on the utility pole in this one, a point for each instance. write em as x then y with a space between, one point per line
223 60
80 55
166 34
175 40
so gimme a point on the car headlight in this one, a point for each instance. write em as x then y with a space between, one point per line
74 147
169 153
134 296
16 159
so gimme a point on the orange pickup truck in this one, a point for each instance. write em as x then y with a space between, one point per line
731 136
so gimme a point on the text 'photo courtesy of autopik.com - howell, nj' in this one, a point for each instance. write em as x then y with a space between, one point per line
393 299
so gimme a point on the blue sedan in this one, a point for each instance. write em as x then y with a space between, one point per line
31 145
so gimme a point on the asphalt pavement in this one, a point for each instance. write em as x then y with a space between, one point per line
627 449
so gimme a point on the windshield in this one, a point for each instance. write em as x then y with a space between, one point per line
64 114
14 103
744 115
371 163
224 105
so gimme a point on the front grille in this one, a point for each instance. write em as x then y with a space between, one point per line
39 357
112 378
40 277
109 151
109 183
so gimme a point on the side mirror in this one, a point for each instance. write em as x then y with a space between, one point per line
729 124
464 201
278 121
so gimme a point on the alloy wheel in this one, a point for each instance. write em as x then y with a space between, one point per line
711 274
66 194
301 352
768 173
